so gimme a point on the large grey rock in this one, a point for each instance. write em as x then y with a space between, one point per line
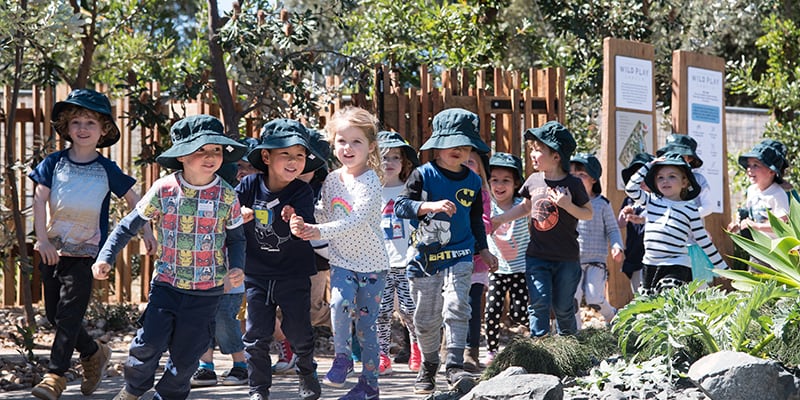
729 375
513 386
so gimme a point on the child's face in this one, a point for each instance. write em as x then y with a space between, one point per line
352 147
474 162
244 168
84 130
204 162
454 158
501 182
670 181
392 164
284 165
759 174
584 176
543 157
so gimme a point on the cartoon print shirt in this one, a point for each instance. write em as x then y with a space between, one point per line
554 231
79 201
395 229
350 218
191 233
272 252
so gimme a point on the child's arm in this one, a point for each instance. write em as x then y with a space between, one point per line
150 243
563 198
46 249
479 232
704 241
119 237
613 235
523 209
633 189
236 242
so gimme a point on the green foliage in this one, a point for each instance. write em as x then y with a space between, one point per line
25 342
628 376
555 355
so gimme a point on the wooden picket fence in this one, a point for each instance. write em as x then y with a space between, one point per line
507 102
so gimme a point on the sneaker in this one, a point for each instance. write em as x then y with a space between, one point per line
385 366
457 378
94 367
342 368
415 358
402 356
235 376
125 395
259 396
203 377
308 387
362 391
286 361
426 378
51 387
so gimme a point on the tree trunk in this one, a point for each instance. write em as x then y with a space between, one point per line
11 178
226 102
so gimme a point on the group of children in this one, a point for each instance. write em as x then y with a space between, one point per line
438 234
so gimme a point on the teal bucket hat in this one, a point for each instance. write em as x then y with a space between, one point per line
391 140
507 160
90 100
456 127
771 153
674 159
592 166
279 134
192 133
557 137
684 145
637 162
320 151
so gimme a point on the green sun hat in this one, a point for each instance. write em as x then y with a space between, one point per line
684 145
637 162
320 151
592 166
455 127
507 160
390 140
769 153
674 159
557 137
90 100
279 134
192 133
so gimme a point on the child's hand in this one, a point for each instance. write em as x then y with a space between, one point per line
247 214
287 213
489 259
150 242
445 206
233 278
617 255
100 270
296 224
635 219
560 196
48 252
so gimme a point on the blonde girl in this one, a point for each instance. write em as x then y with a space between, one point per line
348 216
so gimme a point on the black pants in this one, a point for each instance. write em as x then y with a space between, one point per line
658 277
67 291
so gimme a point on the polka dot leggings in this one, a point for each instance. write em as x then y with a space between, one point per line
499 285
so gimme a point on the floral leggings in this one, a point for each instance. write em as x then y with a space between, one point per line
499 285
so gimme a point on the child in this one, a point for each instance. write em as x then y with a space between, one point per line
630 217
672 220
508 243
349 217
399 159
443 198
201 249
555 201
594 237
278 265
478 163
76 184
764 165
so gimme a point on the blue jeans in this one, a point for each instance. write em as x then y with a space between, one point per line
552 284
228 333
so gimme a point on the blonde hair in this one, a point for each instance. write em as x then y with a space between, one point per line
71 112
364 121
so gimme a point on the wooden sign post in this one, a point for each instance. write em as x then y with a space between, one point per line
629 128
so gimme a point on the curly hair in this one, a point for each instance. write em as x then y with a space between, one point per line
71 112
367 123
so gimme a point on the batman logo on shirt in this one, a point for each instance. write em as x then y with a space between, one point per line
465 197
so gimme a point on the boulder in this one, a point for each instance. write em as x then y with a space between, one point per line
729 375
511 385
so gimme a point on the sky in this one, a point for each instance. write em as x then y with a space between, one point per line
224 5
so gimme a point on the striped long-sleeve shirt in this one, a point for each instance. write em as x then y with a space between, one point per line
669 227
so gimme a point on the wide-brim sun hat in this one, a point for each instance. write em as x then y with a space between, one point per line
320 151
637 162
392 140
281 133
676 160
90 100
557 137
192 133
684 145
455 127
767 153
507 160
592 167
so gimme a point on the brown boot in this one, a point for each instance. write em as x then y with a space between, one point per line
51 387
94 367
124 395
471 360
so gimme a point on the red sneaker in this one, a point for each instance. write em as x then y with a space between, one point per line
415 359
385 366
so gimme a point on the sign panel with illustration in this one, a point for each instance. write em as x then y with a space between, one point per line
633 137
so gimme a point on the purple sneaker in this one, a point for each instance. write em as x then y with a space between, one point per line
362 391
342 368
